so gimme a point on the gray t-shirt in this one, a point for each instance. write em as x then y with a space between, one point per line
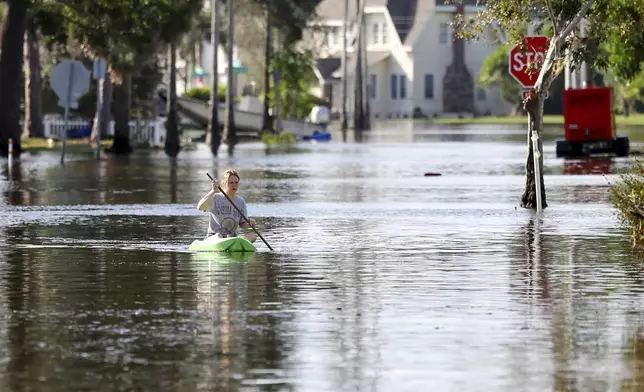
224 218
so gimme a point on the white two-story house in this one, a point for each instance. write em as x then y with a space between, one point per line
415 65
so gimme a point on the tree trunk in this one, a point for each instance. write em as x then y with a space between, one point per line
230 134
121 107
105 91
267 120
172 144
535 126
213 135
11 57
33 124
345 71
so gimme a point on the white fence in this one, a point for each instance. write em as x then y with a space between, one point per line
141 131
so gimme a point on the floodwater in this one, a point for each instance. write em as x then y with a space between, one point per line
381 279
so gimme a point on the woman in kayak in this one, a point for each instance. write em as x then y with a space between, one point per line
224 218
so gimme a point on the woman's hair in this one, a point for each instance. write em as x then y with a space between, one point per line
226 176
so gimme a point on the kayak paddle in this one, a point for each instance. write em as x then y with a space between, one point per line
240 213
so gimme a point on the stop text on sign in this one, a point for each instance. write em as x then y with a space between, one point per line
522 61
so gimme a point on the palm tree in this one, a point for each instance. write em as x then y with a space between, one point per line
213 135
230 134
13 34
345 71
33 125
172 144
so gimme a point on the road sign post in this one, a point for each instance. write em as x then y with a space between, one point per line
69 80
526 59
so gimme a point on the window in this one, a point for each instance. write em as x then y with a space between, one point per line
375 36
394 86
443 34
403 86
372 86
384 34
429 86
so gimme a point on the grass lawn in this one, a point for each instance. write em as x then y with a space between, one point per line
634 120
73 145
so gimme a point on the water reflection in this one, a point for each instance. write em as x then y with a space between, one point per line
588 166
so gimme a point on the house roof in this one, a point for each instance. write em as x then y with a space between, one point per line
403 13
327 66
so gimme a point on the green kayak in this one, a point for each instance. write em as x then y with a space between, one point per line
216 244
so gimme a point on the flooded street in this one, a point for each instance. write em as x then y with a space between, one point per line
382 279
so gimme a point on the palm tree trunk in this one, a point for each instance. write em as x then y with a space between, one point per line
33 124
213 135
345 71
11 57
172 145
121 107
267 120
230 134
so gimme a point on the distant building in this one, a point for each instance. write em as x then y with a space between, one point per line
414 64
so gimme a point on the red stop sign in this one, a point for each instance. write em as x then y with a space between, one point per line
526 59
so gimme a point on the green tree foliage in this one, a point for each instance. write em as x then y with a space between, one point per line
296 69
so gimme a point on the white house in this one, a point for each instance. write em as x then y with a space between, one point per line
414 64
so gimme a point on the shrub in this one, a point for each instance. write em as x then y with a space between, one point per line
203 93
284 138
627 195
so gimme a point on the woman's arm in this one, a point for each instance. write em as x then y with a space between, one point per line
205 201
